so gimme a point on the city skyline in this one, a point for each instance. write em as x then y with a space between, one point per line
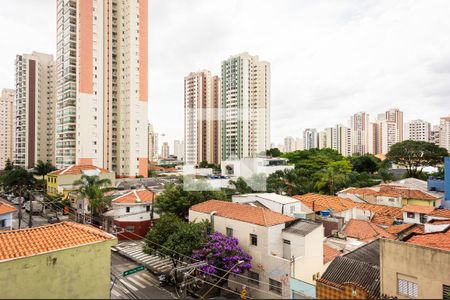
335 64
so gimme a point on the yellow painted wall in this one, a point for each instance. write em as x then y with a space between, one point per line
55 181
75 273
52 184
417 202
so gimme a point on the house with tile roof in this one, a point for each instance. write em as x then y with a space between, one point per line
62 255
412 196
418 268
365 231
372 195
355 275
277 243
6 215
416 214
61 181
130 214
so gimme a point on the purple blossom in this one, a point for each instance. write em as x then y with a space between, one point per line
223 252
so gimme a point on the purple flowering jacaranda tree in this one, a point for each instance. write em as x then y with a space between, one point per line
223 253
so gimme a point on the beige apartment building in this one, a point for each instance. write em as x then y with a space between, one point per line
6 126
444 133
34 132
201 119
396 116
359 125
417 130
245 107
102 92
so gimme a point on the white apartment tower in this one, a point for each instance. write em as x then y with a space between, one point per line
289 144
102 77
359 126
337 138
245 114
165 150
396 116
201 118
6 126
178 149
310 139
444 133
34 132
417 130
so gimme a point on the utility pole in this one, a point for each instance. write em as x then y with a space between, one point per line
152 209
20 209
30 222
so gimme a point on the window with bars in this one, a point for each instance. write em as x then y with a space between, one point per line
275 286
253 277
407 288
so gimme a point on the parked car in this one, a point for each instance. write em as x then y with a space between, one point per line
53 220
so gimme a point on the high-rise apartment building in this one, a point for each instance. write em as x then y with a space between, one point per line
178 149
6 126
101 110
245 113
434 135
289 144
34 133
165 150
417 130
310 139
298 144
343 140
152 144
359 126
201 118
444 133
383 135
396 116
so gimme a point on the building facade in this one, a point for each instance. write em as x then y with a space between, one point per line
102 85
245 107
34 134
444 133
359 125
165 150
396 116
417 130
178 149
201 120
6 126
310 139
289 144
152 144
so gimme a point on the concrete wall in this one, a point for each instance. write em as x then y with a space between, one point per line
74 273
428 268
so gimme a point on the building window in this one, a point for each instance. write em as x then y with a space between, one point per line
410 215
229 231
127 209
446 292
274 286
129 229
147 208
253 239
3 223
253 277
407 288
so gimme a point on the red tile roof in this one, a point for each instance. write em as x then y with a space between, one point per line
6 208
440 240
407 193
382 220
245 213
78 170
420 209
37 240
323 202
443 213
395 229
371 192
329 253
136 196
382 210
365 231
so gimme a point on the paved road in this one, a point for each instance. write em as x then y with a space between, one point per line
141 285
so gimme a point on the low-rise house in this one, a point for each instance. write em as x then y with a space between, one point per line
412 196
372 196
354 275
6 215
130 214
418 268
382 215
365 231
281 204
402 230
436 226
416 213
287 253
61 181
249 166
329 254
59 261
439 214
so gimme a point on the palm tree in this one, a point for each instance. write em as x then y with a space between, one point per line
43 168
19 181
333 177
93 188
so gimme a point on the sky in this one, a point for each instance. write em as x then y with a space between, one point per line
329 59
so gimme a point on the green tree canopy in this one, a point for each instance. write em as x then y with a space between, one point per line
415 155
43 168
365 163
274 152
177 199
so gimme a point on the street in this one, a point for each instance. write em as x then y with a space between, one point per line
141 285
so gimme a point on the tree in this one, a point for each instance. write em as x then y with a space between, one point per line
19 181
274 152
174 238
365 163
43 168
241 186
415 155
93 188
55 203
223 255
333 177
9 165
177 200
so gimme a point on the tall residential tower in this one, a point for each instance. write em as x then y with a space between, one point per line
101 109
6 126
